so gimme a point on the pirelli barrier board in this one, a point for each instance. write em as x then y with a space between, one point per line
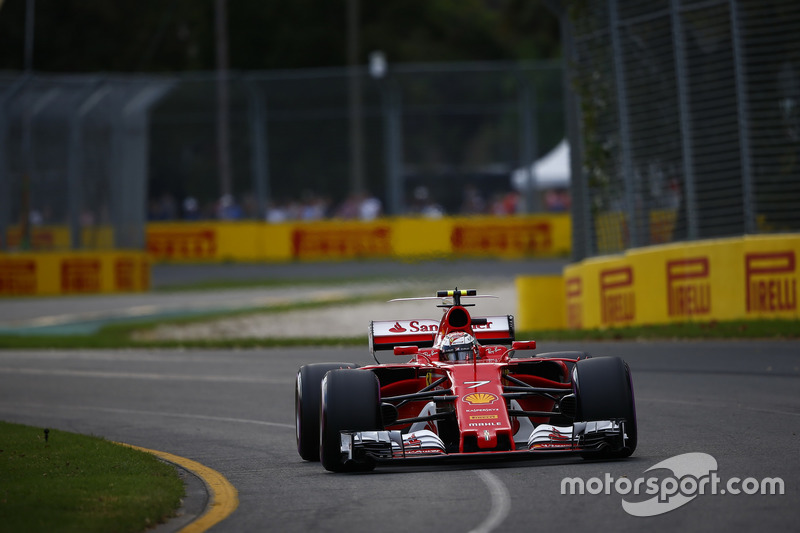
523 236
726 279
29 274
216 241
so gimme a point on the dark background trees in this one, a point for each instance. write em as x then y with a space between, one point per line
178 35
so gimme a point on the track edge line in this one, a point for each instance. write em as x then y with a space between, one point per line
223 496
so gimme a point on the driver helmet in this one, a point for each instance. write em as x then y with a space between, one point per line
459 346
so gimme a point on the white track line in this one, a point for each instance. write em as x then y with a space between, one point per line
198 417
501 502
138 375
159 414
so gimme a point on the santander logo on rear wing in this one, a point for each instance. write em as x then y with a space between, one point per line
386 334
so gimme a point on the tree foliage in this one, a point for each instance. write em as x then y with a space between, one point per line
178 35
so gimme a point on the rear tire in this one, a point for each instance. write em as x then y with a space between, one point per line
307 396
350 401
604 390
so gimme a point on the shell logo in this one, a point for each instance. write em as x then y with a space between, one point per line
479 398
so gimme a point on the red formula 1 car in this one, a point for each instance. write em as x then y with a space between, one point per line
463 395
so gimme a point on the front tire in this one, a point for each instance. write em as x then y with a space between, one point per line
350 401
307 396
604 390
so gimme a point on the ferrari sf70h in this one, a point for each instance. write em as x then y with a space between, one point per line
462 394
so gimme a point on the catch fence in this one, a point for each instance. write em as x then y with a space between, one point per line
86 161
686 120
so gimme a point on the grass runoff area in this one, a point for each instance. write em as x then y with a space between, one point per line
119 334
52 480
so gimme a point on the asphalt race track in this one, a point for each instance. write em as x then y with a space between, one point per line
739 402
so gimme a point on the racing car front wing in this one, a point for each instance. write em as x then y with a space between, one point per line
394 446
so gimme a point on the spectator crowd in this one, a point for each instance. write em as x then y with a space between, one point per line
356 206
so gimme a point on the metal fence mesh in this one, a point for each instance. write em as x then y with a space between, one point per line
688 113
88 152
437 126
688 117
72 155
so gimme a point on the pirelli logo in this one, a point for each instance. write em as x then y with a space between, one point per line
342 243
80 275
190 244
688 287
17 276
574 303
617 299
502 238
771 281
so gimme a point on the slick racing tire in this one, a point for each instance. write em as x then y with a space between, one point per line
307 396
604 390
350 401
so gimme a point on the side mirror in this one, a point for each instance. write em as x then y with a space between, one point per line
523 345
406 350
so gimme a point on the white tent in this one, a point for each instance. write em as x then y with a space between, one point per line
551 171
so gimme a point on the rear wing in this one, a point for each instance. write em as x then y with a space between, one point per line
386 334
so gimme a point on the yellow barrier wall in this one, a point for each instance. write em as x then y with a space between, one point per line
512 237
218 241
402 237
725 279
541 302
421 237
340 240
57 238
27 274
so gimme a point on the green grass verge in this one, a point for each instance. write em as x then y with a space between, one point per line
77 483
